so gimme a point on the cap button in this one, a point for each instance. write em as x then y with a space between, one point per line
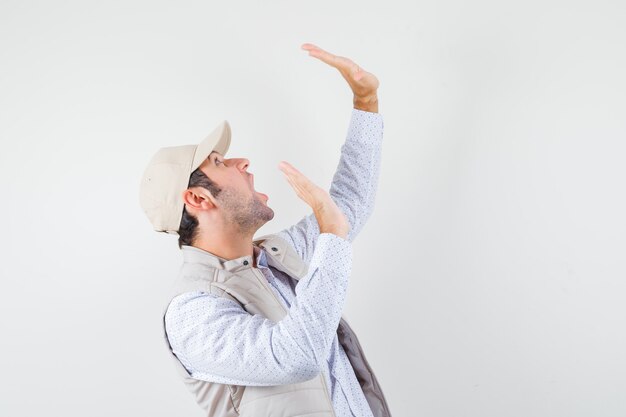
245 262
274 249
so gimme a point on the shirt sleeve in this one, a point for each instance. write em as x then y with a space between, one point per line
217 340
354 183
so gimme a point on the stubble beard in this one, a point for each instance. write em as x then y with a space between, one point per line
247 213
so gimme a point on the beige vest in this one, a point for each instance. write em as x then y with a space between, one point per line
239 281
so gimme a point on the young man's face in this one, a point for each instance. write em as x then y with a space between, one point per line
240 201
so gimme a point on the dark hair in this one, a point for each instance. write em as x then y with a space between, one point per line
189 224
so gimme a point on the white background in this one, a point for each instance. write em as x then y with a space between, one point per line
490 279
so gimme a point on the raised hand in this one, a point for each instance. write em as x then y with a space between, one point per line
364 84
329 216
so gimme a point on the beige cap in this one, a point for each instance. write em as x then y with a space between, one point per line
167 176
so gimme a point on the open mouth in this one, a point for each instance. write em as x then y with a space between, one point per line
252 186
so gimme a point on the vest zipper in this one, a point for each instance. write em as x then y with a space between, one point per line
266 284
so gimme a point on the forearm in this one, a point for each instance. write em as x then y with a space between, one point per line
356 179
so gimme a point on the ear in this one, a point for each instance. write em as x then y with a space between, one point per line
198 198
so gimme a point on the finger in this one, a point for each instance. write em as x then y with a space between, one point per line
299 181
309 46
347 67
291 182
289 169
294 176
317 52
300 191
284 165
285 168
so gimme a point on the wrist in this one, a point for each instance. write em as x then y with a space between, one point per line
366 103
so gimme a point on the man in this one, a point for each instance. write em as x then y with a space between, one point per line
254 326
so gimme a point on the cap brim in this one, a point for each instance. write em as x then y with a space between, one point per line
218 140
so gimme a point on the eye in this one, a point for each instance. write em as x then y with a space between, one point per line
218 161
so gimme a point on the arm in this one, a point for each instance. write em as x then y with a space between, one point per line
218 341
354 184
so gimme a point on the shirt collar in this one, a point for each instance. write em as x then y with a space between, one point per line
261 260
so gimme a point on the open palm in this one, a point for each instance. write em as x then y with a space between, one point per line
363 84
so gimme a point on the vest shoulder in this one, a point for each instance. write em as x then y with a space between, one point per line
282 255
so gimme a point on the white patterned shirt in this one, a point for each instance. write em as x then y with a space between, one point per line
217 340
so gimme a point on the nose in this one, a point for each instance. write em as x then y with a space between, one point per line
242 163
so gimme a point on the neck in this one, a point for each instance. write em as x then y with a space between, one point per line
227 245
